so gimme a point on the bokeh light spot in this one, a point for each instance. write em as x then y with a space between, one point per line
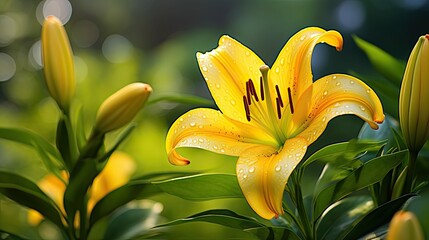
350 15
7 67
412 4
61 9
8 30
117 48
80 68
35 55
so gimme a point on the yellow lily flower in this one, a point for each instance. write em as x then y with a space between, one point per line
115 174
268 117
405 225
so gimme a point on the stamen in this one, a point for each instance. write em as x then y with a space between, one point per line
246 108
252 90
279 96
262 88
290 100
279 109
249 94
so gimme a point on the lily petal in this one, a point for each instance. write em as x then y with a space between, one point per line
263 173
210 130
292 68
226 70
336 95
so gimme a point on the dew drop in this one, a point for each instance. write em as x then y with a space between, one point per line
184 141
338 84
205 69
183 127
334 77
181 119
368 90
194 141
233 102
323 119
247 53
298 154
217 85
362 108
192 124
337 104
200 140
278 168
204 116
277 69
302 38
240 171
290 156
222 150
325 93
206 78
215 147
352 82
244 176
286 165
200 126
252 169
282 61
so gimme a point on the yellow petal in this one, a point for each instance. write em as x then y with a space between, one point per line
263 172
210 130
226 70
292 67
405 225
336 95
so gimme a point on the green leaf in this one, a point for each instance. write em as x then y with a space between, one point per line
28 194
383 132
223 217
131 223
80 128
419 206
135 189
63 144
184 99
375 218
388 66
4 235
47 152
369 173
81 178
341 215
343 152
202 187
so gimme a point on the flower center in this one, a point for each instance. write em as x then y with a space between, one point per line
261 107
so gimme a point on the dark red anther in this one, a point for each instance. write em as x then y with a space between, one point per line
249 94
279 96
262 88
290 100
252 90
279 109
246 108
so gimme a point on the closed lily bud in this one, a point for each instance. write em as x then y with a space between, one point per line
57 57
405 225
121 107
414 97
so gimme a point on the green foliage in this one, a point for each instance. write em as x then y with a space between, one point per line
28 194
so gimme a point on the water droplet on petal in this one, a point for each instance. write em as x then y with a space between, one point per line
282 61
352 82
278 168
302 38
252 169
217 85
200 140
240 171
232 102
205 69
338 84
215 147
323 119
244 176
298 155
334 77
362 108
325 93
204 116
337 104
247 53
368 90
192 124
277 69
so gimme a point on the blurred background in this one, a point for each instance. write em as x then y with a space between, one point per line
155 41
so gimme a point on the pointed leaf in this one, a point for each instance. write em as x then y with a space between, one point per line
28 194
47 152
223 217
202 187
375 218
184 99
369 173
384 63
135 189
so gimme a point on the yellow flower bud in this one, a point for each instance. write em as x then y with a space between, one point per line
414 98
57 57
405 225
121 107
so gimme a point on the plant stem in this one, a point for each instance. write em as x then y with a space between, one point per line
408 186
299 202
82 222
